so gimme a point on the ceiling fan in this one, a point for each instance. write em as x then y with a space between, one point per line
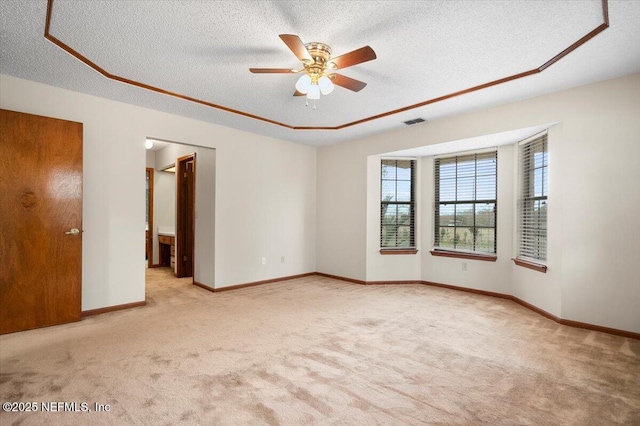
319 67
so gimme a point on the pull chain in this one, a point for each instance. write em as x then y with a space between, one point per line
306 103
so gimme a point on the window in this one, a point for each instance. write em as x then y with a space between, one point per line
465 203
532 202
397 204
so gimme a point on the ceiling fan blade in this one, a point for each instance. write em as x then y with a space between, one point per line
296 93
272 70
347 82
296 45
354 57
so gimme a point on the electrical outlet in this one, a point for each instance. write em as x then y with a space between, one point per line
282 259
464 266
264 260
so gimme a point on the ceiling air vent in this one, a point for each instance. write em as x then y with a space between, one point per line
414 121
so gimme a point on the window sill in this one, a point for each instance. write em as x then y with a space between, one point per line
398 251
530 265
460 255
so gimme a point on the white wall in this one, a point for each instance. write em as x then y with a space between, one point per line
599 178
265 197
265 207
204 244
151 159
341 203
594 265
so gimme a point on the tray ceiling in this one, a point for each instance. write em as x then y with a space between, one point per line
201 51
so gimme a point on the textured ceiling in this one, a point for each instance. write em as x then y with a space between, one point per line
425 49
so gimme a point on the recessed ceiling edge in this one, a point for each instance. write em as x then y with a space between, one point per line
97 68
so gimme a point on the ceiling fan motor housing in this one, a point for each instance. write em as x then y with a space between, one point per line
321 53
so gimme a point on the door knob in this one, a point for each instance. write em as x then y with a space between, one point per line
74 231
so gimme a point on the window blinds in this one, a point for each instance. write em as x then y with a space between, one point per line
465 202
397 204
532 203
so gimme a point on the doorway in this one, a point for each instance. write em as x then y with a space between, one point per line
185 214
149 227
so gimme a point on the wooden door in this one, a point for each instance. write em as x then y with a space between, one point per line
185 215
41 192
149 232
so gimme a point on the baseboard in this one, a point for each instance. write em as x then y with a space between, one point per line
538 310
587 326
255 283
336 277
204 286
112 308
392 282
468 290
577 324
561 321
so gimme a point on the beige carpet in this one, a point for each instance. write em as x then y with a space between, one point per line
320 351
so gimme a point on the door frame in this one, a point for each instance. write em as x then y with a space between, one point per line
181 217
149 242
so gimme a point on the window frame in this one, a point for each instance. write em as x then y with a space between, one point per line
411 248
527 194
439 250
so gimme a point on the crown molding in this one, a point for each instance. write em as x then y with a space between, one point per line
105 73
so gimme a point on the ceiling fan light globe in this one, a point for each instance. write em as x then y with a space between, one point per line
326 85
314 92
303 84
